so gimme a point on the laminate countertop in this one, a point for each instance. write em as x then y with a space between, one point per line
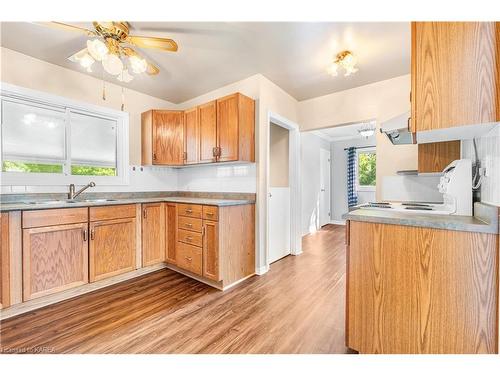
485 219
48 204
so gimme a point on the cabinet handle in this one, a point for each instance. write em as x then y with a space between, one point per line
214 151
189 211
189 239
85 235
189 225
409 124
154 156
92 234
210 214
219 153
144 214
185 155
202 231
189 259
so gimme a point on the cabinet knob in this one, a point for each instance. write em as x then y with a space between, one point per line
92 234
85 235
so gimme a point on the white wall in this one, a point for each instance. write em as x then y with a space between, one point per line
378 101
488 149
339 176
310 145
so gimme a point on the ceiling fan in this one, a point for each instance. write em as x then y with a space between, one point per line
111 44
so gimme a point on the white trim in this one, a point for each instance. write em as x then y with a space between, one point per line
294 183
18 93
365 150
337 222
261 270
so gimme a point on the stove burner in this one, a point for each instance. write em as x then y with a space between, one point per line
421 208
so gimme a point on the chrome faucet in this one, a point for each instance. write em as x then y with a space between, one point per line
73 195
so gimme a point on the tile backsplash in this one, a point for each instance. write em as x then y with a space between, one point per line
488 149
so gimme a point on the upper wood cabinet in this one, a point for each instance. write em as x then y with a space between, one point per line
235 128
208 132
219 131
153 233
191 136
55 251
455 74
163 137
434 157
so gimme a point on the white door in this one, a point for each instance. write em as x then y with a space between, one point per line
324 194
279 223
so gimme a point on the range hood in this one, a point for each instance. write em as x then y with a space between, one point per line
396 129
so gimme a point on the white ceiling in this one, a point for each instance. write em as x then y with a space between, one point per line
344 132
294 55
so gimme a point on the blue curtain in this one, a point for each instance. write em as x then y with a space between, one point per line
352 198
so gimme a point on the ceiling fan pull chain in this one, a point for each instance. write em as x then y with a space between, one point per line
123 99
103 87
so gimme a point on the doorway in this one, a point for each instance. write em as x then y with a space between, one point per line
324 184
279 193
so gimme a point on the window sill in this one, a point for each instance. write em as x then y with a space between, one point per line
366 188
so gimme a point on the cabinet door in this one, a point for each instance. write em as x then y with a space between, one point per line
227 128
434 157
191 136
112 248
171 233
455 74
211 250
4 261
153 233
168 137
208 132
55 258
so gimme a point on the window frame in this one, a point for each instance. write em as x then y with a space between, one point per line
32 97
359 187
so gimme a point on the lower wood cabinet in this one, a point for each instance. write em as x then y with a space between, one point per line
55 258
171 232
421 290
211 250
153 233
189 257
4 261
113 242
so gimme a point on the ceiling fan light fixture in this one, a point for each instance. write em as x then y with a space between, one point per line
112 64
367 130
138 64
97 49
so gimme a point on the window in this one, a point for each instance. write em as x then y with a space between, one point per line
48 140
366 168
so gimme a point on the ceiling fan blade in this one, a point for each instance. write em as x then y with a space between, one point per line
152 69
60 25
153 42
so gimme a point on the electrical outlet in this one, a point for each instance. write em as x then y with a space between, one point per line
486 166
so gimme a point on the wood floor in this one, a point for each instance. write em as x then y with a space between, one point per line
297 307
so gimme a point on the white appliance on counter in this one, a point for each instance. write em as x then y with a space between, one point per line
456 186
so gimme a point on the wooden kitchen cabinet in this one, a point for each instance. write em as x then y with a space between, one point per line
162 137
235 128
171 232
191 136
153 233
421 290
211 250
55 258
222 130
434 157
455 74
4 261
208 132
112 249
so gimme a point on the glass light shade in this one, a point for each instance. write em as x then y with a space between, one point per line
112 64
137 64
125 76
97 49
87 61
366 132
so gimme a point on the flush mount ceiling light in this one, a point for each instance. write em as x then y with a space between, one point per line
344 60
367 130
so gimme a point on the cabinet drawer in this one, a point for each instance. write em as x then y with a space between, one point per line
59 216
189 223
189 210
191 238
211 213
112 212
189 258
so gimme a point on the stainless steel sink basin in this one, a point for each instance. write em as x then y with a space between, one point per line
48 202
99 200
61 201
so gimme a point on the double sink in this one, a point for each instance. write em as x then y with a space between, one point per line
71 201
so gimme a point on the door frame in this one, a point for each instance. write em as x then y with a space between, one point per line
329 182
293 181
